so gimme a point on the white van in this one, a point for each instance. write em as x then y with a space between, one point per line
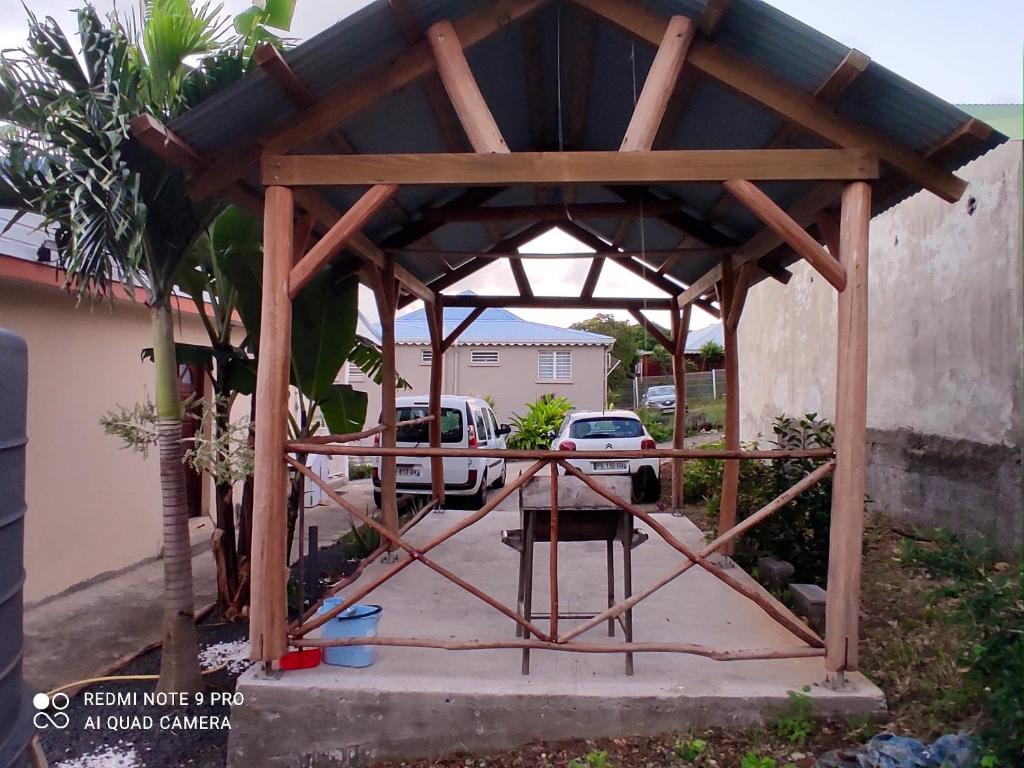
466 422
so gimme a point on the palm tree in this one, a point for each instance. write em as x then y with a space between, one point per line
118 214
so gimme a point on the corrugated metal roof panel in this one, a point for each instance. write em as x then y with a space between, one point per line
715 117
494 326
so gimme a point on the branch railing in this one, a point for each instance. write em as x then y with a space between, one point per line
553 639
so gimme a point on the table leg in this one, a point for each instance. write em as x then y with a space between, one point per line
627 581
528 542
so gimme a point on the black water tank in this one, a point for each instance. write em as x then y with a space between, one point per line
15 702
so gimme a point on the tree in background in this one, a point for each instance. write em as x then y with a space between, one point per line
624 349
711 354
119 214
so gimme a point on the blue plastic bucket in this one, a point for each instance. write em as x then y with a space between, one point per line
357 621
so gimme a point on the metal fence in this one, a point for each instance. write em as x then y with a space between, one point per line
700 387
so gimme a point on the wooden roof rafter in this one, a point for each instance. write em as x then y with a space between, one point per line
771 92
352 98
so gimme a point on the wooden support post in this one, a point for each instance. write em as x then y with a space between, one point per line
844 565
731 471
269 610
387 304
435 317
680 328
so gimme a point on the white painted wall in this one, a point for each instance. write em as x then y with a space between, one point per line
945 320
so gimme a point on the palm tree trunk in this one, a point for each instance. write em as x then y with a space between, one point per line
179 663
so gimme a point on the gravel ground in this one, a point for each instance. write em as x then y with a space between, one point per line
117 735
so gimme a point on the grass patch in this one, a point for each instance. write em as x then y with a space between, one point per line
713 409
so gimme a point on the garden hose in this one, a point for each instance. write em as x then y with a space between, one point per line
121 678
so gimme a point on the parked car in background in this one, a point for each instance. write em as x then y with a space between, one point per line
466 422
610 431
660 398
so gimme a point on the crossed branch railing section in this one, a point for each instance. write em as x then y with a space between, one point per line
551 640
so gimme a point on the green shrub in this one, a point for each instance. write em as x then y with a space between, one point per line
359 471
799 531
657 425
982 602
702 478
543 416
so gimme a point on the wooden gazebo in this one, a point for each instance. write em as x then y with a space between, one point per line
704 145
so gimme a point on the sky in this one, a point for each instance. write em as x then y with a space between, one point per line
962 52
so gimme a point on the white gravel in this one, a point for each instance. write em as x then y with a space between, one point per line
235 654
108 757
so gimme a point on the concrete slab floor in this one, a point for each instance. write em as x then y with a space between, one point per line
428 703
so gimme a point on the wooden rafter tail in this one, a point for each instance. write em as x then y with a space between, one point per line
762 514
713 16
589 167
162 141
659 86
269 59
339 236
774 93
789 230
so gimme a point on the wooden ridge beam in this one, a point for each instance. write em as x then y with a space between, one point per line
789 230
557 302
659 86
670 166
772 92
359 94
338 236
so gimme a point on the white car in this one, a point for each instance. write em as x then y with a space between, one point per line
609 431
466 422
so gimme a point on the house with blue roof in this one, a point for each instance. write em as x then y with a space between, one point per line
502 357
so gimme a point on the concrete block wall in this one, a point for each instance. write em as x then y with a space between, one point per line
945 354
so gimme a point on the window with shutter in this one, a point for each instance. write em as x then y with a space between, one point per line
355 373
484 357
554 365
426 355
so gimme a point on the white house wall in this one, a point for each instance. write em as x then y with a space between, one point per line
512 383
